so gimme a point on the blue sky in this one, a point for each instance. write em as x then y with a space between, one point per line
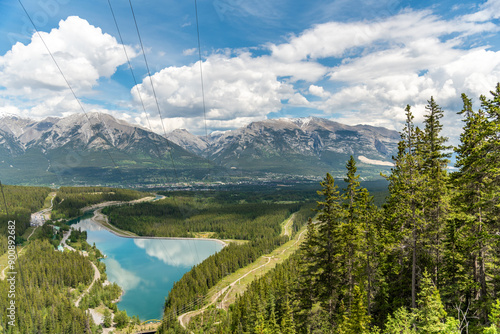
357 62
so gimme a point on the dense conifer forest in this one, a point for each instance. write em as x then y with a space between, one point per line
179 216
43 300
21 202
70 200
428 261
258 222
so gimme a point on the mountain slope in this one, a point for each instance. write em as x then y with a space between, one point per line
196 144
94 148
99 149
304 146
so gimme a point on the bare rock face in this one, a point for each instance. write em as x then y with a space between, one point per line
297 146
97 145
196 144
86 148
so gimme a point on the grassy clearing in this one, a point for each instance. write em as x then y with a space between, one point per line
235 241
286 226
261 266
204 234
48 199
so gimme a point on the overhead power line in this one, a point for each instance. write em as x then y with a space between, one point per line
65 79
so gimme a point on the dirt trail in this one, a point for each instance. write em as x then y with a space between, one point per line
287 227
97 276
269 258
186 317
113 203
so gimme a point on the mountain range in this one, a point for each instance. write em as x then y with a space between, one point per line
96 148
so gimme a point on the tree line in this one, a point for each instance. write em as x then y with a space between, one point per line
70 200
21 203
187 293
43 302
426 262
181 216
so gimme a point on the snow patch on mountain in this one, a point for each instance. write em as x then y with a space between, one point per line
374 162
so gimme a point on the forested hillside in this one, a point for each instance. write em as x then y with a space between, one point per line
185 216
43 303
258 223
21 202
427 262
70 200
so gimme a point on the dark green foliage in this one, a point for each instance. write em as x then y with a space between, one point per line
428 263
185 294
273 296
476 201
100 294
70 200
21 203
42 299
357 321
107 318
121 319
331 283
260 223
177 217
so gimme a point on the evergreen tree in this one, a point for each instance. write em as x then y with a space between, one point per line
287 323
403 211
494 318
330 257
473 197
402 322
435 160
261 325
107 318
352 230
431 313
306 287
357 321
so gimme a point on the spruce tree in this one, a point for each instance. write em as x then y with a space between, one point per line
306 290
352 230
287 323
401 322
330 256
473 196
494 319
403 211
358 320
434 163
431 314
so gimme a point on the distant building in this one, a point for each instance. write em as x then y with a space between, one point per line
60 248
37 219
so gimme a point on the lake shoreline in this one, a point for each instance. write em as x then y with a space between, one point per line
101 219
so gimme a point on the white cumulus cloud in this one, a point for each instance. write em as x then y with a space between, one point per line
83 53
234 87
318 91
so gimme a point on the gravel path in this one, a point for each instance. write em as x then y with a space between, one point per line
97 276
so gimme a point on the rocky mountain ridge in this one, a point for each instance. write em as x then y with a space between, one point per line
310 143
88 147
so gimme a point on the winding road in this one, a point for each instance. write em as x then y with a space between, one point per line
186 317
97 276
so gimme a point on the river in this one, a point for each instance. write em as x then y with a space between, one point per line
146 269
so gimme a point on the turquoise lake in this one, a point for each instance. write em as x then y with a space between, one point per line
146 269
